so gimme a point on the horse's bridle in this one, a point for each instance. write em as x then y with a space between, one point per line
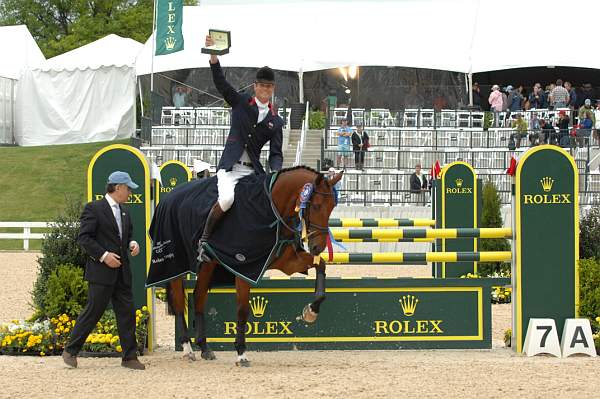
311 227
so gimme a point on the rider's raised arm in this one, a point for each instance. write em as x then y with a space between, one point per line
227 91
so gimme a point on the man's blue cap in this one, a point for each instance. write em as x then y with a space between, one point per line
119 177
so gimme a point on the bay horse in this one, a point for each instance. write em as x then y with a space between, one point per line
285 200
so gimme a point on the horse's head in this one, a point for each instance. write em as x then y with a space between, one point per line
318 205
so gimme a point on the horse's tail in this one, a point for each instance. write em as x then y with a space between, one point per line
177 300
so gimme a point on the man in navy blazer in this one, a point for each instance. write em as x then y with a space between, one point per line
253 123
105 235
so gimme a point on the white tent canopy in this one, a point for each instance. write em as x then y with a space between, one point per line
111 50
19 51
85 95
452 35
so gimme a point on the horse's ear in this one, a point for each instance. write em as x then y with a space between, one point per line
336 178
319 179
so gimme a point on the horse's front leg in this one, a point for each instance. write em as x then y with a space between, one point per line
242 289
200 296
311 311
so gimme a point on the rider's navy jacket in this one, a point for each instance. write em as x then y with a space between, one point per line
245 133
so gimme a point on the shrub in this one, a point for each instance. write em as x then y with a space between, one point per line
488 119
492 217
316 120
589 235
67 292
58 248
589 288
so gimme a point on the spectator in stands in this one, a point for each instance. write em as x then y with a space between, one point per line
418 182
587 93
572 96
180 97
548 134
585 127
505 103
537 99
344 133
597 124
585 108
476 96
515 99
535 135
563 128
559 96
495 100
360 144
520 127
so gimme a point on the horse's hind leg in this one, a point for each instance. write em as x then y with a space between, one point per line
176 298
242 289
200 295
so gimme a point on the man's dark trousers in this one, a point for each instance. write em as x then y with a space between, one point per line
98 297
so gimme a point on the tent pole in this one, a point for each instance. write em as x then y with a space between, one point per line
470 89
466 83
153 45
300 86
141 98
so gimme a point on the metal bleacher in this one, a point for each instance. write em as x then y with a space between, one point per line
423 136
188 133
399 140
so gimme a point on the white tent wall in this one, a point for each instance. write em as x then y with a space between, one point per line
85 95
78 106
7 102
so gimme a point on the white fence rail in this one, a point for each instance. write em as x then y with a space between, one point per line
26 235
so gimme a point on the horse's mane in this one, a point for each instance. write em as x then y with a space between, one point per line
308 168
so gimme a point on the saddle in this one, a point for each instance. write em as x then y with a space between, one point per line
243 242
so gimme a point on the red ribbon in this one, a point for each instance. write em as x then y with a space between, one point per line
329 248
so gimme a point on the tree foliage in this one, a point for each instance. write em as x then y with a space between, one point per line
58 248
59 26
491 216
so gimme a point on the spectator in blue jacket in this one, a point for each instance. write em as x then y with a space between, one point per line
572 96
537 99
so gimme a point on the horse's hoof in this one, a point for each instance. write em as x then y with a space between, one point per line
243 363
208 355
190 356
308 316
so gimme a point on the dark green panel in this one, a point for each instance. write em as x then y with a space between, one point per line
459 192
361 314
547 270
172 175
124 158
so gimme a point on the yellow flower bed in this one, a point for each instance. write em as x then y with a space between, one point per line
48 337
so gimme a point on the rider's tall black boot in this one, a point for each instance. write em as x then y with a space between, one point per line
215 214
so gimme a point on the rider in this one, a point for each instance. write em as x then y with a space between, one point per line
253 123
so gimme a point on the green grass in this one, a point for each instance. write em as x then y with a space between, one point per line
37 180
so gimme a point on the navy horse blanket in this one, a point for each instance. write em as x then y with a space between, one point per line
243 242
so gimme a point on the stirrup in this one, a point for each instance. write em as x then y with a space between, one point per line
202 255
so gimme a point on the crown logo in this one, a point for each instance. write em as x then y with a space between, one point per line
170 42
547 183
458 182
258 304
408 304
173 181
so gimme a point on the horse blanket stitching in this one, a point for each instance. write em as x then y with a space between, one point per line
243 242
